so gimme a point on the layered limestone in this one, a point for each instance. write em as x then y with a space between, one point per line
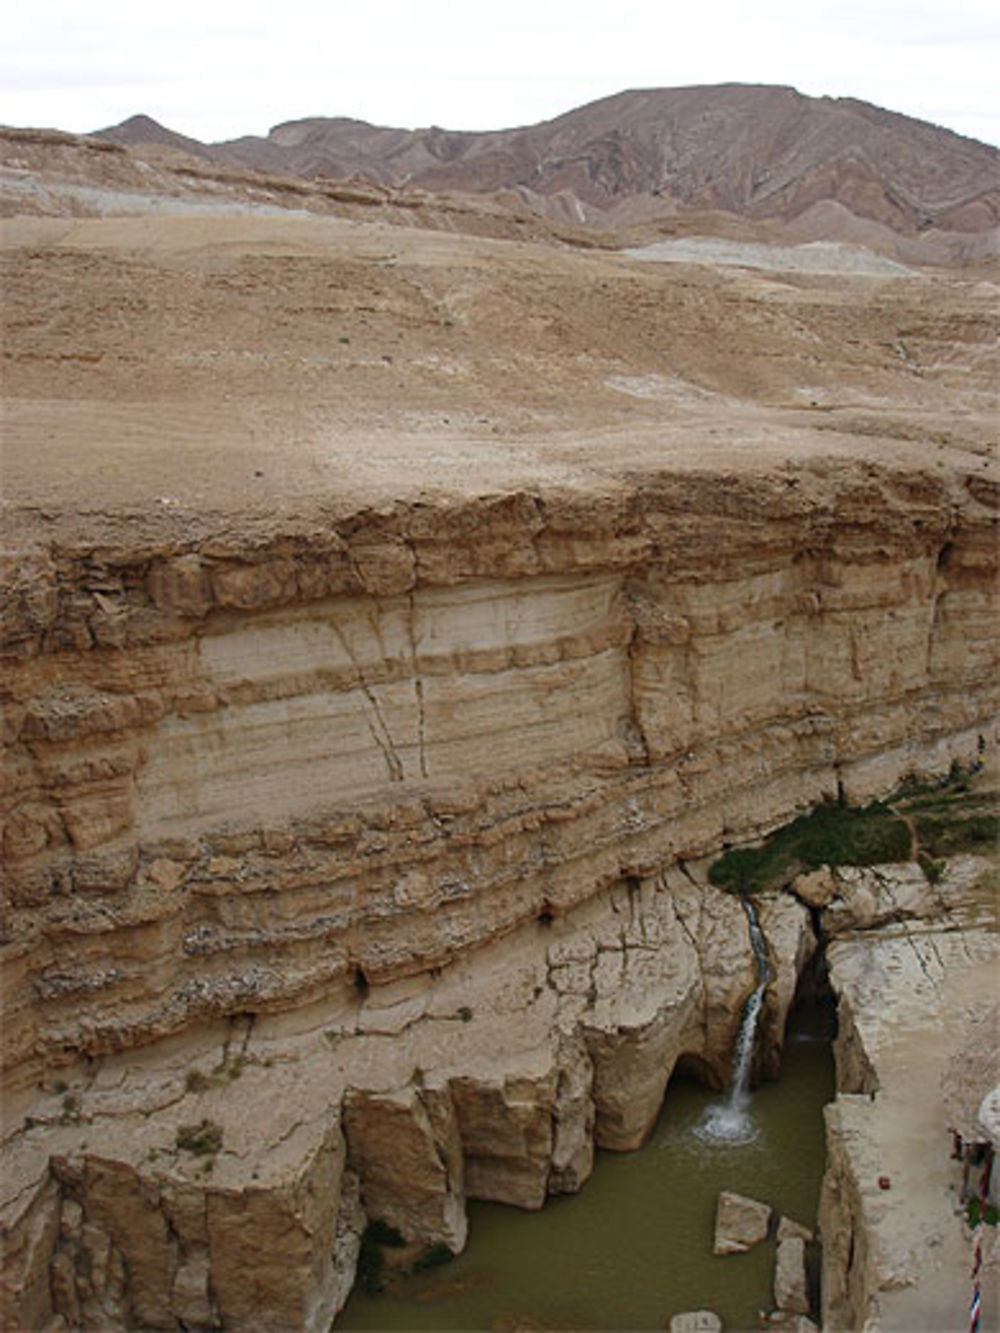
358 871
911 979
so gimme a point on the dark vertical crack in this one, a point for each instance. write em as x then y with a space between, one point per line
637 742
418 686
376 722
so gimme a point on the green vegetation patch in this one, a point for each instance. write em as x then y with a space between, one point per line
203 1140
948 834
832 834
972 1208
958 813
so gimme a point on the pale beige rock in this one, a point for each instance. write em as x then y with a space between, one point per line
405 1149
899 1257
869 896
791 943
739 1223
789 1228
790 1287
573 1130
70 1219
696 1321
506 1133
28 1253
347 1241
190 1295
818 888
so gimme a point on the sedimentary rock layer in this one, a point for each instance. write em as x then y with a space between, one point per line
369 853
914 968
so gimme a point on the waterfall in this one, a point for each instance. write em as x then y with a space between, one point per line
730 1122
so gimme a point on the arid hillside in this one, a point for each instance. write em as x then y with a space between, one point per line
754 151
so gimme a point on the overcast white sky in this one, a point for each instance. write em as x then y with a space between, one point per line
215 69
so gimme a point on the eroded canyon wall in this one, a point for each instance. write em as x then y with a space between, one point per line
374 848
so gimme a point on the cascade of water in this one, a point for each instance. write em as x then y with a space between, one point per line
729 1122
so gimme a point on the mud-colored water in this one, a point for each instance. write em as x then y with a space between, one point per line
635 1245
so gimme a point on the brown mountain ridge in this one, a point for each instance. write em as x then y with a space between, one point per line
760 152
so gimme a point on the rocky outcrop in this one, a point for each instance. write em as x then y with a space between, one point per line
360 874
696 1321
791 1290
739 1223
909 983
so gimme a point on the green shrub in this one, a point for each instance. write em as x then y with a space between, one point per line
933 869
949 834
831 834
972 1208
202 1140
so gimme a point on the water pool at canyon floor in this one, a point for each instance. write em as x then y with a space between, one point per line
635 1245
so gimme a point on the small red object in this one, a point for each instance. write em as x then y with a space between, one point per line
884 1183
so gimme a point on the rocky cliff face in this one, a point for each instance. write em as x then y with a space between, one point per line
914 969
356 874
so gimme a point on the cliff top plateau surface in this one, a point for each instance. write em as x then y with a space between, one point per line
165 373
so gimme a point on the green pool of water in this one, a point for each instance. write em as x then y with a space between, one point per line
635 1245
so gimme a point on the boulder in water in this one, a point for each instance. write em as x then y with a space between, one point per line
739 1223
696 1321
790 1289
787 1227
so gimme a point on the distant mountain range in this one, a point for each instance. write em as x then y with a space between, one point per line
759 152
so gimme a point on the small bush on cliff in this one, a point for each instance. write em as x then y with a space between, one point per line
203 1140
70 1109
831 834
932 867
196 1081
972 1208
947 835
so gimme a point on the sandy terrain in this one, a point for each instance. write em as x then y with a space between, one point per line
171 368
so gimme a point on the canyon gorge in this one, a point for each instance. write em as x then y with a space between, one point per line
397 626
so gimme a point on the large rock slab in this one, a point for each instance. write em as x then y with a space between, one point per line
788 1227
791 1291
696 1321
895 1246
739 1223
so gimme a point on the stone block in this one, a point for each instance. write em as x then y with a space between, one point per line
791 1291
739 1223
